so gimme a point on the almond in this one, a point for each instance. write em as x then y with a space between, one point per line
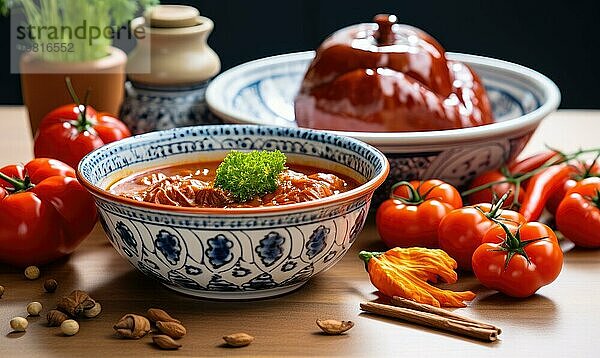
172 329
238 339
165 342
158 315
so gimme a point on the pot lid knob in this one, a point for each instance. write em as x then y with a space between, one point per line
385 34
172 16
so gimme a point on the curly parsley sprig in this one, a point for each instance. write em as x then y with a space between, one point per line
246 175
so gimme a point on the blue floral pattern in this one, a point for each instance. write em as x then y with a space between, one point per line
270 249
219 251
168 244
316 243
126 235
106 228
358 225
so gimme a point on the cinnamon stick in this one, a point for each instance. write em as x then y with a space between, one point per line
432 320
403 302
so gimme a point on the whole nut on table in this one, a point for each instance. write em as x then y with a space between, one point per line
157 314
32 272
50 285
19 324
238 339
69 327
34 308
172 329
165 342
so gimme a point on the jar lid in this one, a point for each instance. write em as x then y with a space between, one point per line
172 16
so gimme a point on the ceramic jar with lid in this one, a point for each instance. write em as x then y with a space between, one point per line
169 70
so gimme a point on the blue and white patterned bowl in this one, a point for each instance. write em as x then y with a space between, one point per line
263 91
233 253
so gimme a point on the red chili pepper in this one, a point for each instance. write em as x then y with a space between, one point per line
509 174
541 186
531 163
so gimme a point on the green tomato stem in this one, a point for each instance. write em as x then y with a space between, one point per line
414 196
518 179
18 184
513 245
82 124
496 208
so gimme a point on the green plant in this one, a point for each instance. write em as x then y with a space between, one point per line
55 21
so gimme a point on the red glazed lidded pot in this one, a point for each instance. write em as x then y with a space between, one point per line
388 77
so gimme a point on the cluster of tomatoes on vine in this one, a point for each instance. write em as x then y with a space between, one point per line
498 236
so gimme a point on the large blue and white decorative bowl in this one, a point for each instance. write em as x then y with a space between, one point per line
233 253
263 91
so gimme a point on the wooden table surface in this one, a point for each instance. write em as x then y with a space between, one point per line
561 320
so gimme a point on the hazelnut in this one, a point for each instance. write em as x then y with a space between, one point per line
34 308
69 327
94 311
50 285
19 324
32 272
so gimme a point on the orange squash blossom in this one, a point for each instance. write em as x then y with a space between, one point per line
407 273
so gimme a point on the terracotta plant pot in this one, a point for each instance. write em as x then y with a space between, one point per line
43 83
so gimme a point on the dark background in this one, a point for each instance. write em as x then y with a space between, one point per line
558 38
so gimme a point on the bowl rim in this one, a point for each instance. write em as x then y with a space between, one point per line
369 186
547 88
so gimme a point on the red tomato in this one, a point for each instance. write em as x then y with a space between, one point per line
461 231
70 132
589 170
44 212
518 261
412 215
578 215
496 190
